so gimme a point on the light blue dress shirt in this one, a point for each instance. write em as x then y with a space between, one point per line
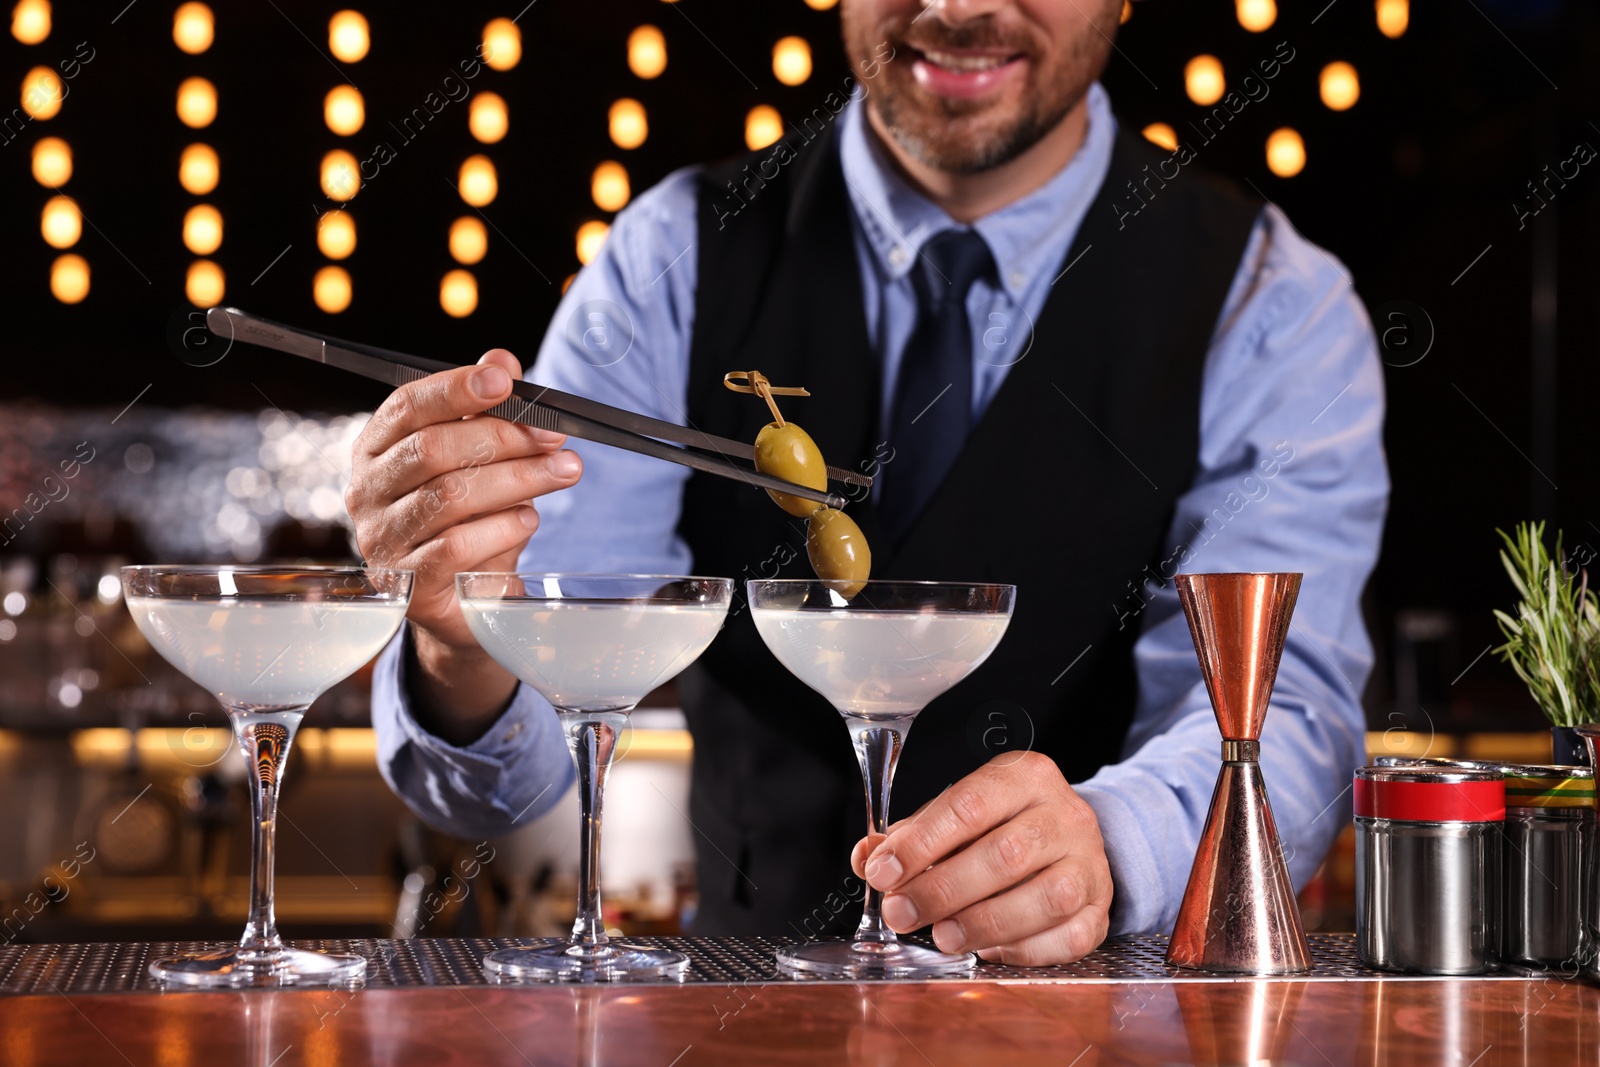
1290 476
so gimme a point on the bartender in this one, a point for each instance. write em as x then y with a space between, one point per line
1073 362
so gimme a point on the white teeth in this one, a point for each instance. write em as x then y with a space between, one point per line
964 64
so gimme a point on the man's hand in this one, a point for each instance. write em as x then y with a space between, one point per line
438 491
1008 863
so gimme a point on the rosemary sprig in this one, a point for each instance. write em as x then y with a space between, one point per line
1553 641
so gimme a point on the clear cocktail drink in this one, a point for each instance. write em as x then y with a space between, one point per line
266 642
593 646
879 658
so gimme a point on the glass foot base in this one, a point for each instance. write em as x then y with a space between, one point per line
232 968
572 963
614 962
872 959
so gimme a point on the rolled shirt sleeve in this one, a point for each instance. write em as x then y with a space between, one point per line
1291 478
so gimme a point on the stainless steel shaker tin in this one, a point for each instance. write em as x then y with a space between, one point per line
1549 831
1428 868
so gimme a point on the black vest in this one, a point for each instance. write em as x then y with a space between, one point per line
1065 488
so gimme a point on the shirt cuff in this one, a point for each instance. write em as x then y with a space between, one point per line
517 770
1138 895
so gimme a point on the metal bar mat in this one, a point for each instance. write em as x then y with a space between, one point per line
121 967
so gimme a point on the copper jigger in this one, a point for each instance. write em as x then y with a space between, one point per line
1239 915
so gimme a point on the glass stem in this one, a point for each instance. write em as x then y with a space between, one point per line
878 750
592 738
264 739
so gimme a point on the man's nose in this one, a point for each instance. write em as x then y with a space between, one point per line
956 12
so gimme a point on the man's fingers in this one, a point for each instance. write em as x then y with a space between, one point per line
1007 855
1048 899
467 545
503 358
500 357
452 498
970 808
441 397
1073 939
863 849
447 447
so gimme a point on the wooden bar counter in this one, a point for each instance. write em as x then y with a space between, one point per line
1409 1023
1077 1021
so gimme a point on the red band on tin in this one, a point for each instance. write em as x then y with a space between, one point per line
1431 801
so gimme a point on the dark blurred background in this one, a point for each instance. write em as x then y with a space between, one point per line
1459 189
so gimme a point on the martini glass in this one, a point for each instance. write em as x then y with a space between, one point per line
266 641
593 645
879 657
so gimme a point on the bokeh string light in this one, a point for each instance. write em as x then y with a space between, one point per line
628 124
193 28
762 127
202 229
198 169
1256 15
591 235
197 103
1159 133
791 60
469 240
478 182
1286 153
1394 17
341 175
348 36
344 112
52 162
61 223
69 278
488 118
205 284
336 234
458 294
1339 86
42 94
331 289
647 52
502 44
609 186
1203 80
30 21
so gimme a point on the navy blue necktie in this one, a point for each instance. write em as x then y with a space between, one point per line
932 410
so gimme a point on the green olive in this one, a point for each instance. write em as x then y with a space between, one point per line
788 452
838 551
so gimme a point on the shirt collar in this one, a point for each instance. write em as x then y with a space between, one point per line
1026 237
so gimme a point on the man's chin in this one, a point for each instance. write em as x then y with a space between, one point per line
958 140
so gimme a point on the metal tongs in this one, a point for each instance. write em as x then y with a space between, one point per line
533 405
